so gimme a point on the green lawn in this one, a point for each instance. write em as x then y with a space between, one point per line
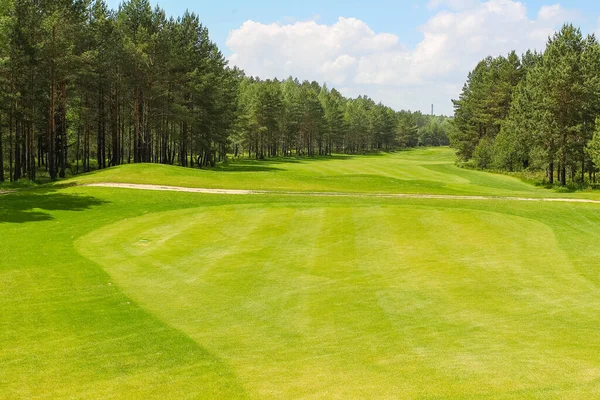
429 170
113 293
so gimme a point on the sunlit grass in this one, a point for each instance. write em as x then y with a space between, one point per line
113 293
416 171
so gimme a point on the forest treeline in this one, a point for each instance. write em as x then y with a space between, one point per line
84 87
535 112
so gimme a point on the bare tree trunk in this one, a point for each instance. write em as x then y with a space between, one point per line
62 132
31 146
100 152
78 149
23 148
17 172
122 129
31 167
583 165
136 126
114 127
86 139
51 118
10 142
1 158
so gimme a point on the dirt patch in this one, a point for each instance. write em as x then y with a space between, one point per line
332 194
173 188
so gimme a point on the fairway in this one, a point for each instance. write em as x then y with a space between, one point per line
147 294
429 171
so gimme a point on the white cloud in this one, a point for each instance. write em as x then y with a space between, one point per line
351 56
337 72
549 12
453 4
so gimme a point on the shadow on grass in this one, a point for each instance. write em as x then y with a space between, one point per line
32 205
245 168
236 163
572 187
386 183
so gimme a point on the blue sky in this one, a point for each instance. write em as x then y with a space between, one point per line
400 17
420 51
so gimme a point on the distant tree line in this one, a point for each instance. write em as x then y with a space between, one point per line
535 112
283 118
84 87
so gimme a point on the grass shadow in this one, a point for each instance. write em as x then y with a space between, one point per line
246 168
32 205
289 160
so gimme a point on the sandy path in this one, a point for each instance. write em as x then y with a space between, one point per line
331 194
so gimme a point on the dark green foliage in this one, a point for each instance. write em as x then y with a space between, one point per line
485 102
305 119
593 147
435 132
85 87
538 112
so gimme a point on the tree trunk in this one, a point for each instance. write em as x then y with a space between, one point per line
101 134
86 139
583 165
23 148
136 126
114 128
77 150
62 132
10 142
31 167
1 159
51 119
17 172
31 151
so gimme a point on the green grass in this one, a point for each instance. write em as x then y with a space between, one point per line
110 293
22 184
430 170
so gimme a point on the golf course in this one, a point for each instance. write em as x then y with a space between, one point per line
392 275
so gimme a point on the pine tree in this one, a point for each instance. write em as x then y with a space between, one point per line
564 92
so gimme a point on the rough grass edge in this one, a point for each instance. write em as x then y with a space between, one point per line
533 177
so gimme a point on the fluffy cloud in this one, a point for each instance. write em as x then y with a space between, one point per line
351 56
307 49
453 4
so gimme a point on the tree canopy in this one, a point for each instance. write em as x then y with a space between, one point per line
538 111
84 87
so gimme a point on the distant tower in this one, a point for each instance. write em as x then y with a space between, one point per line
432 110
